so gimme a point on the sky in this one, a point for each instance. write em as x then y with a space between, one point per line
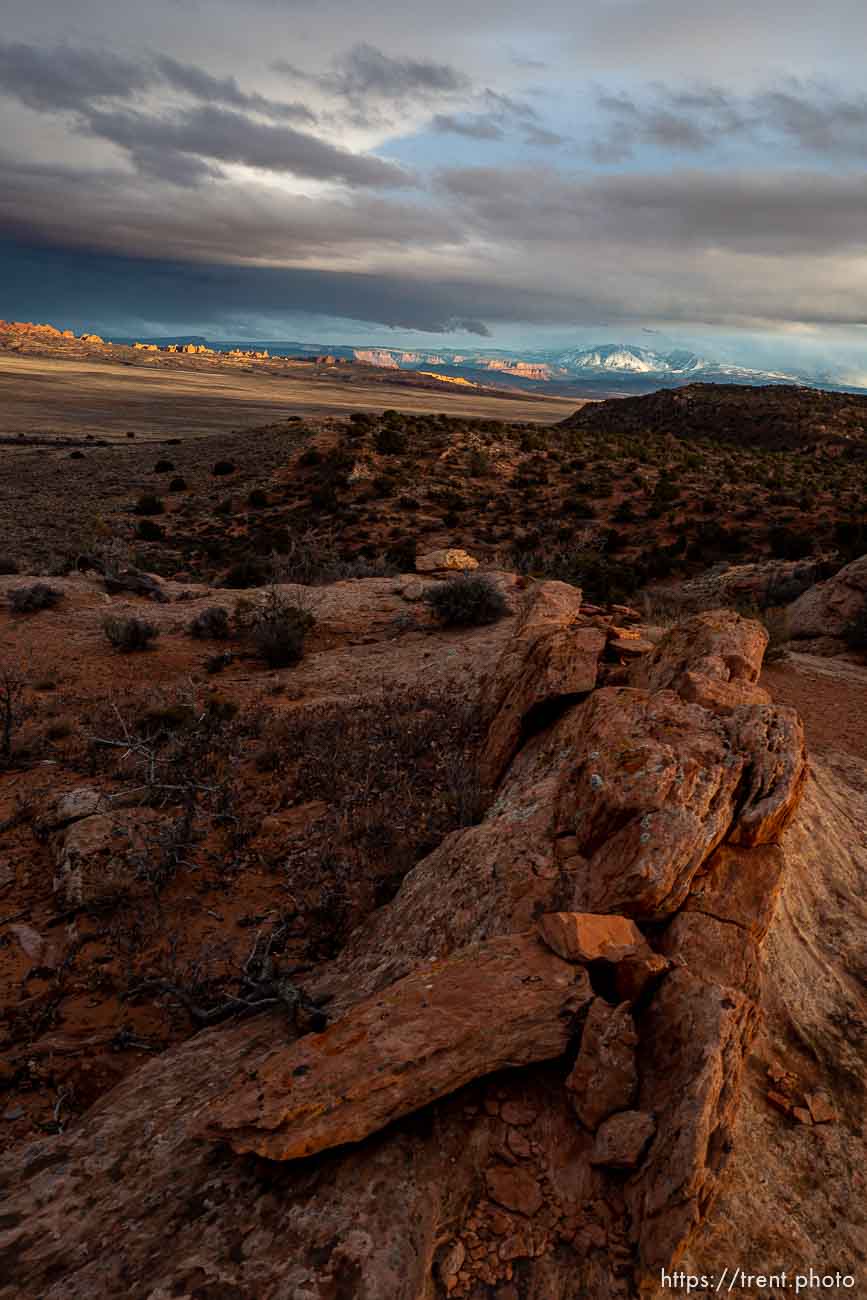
661 172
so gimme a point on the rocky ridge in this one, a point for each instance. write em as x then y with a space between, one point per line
619 892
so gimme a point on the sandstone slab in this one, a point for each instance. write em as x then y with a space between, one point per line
718 643
648 785
694 1040
604 1078
829 608
71 806
721 697
715 950
550 657
101 856
740 886
504 1003
586 936
772 738
629 647
448 560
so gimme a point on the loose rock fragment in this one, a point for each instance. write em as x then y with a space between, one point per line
622 1139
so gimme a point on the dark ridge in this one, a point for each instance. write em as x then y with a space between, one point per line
773 417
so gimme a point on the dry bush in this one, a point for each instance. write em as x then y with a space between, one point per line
129 634
28 600
212 624
398 772
315 559
14 709
469 601
276 625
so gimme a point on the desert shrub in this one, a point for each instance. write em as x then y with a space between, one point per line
148 504
212 624
311 456
164 467
279 630
178 484
314 558
391 441
249 572
786 544
216 663
222 467
257 499
28 600
14 708
130 633
398 772
479 463
856 632
8 566
401 554
470 601
582 563
148 531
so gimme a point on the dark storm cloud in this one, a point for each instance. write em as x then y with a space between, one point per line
53 283
113 211
557 251
812 118
211 132
64 77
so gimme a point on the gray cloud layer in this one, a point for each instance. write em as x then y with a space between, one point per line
811 118
177 147
764 223
64 77
212 132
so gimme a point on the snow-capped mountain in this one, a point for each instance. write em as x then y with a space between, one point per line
633 360
624 358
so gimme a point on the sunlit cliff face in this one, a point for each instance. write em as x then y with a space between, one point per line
493 173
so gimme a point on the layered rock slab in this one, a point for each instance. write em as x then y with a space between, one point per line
507 1002
717 644
552 656
589 936
694 1040
830 608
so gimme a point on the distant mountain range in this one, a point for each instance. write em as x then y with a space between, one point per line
607 369
614 366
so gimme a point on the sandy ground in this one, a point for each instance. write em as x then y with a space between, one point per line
829 694
106 399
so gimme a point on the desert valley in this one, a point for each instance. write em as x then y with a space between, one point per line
431 832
